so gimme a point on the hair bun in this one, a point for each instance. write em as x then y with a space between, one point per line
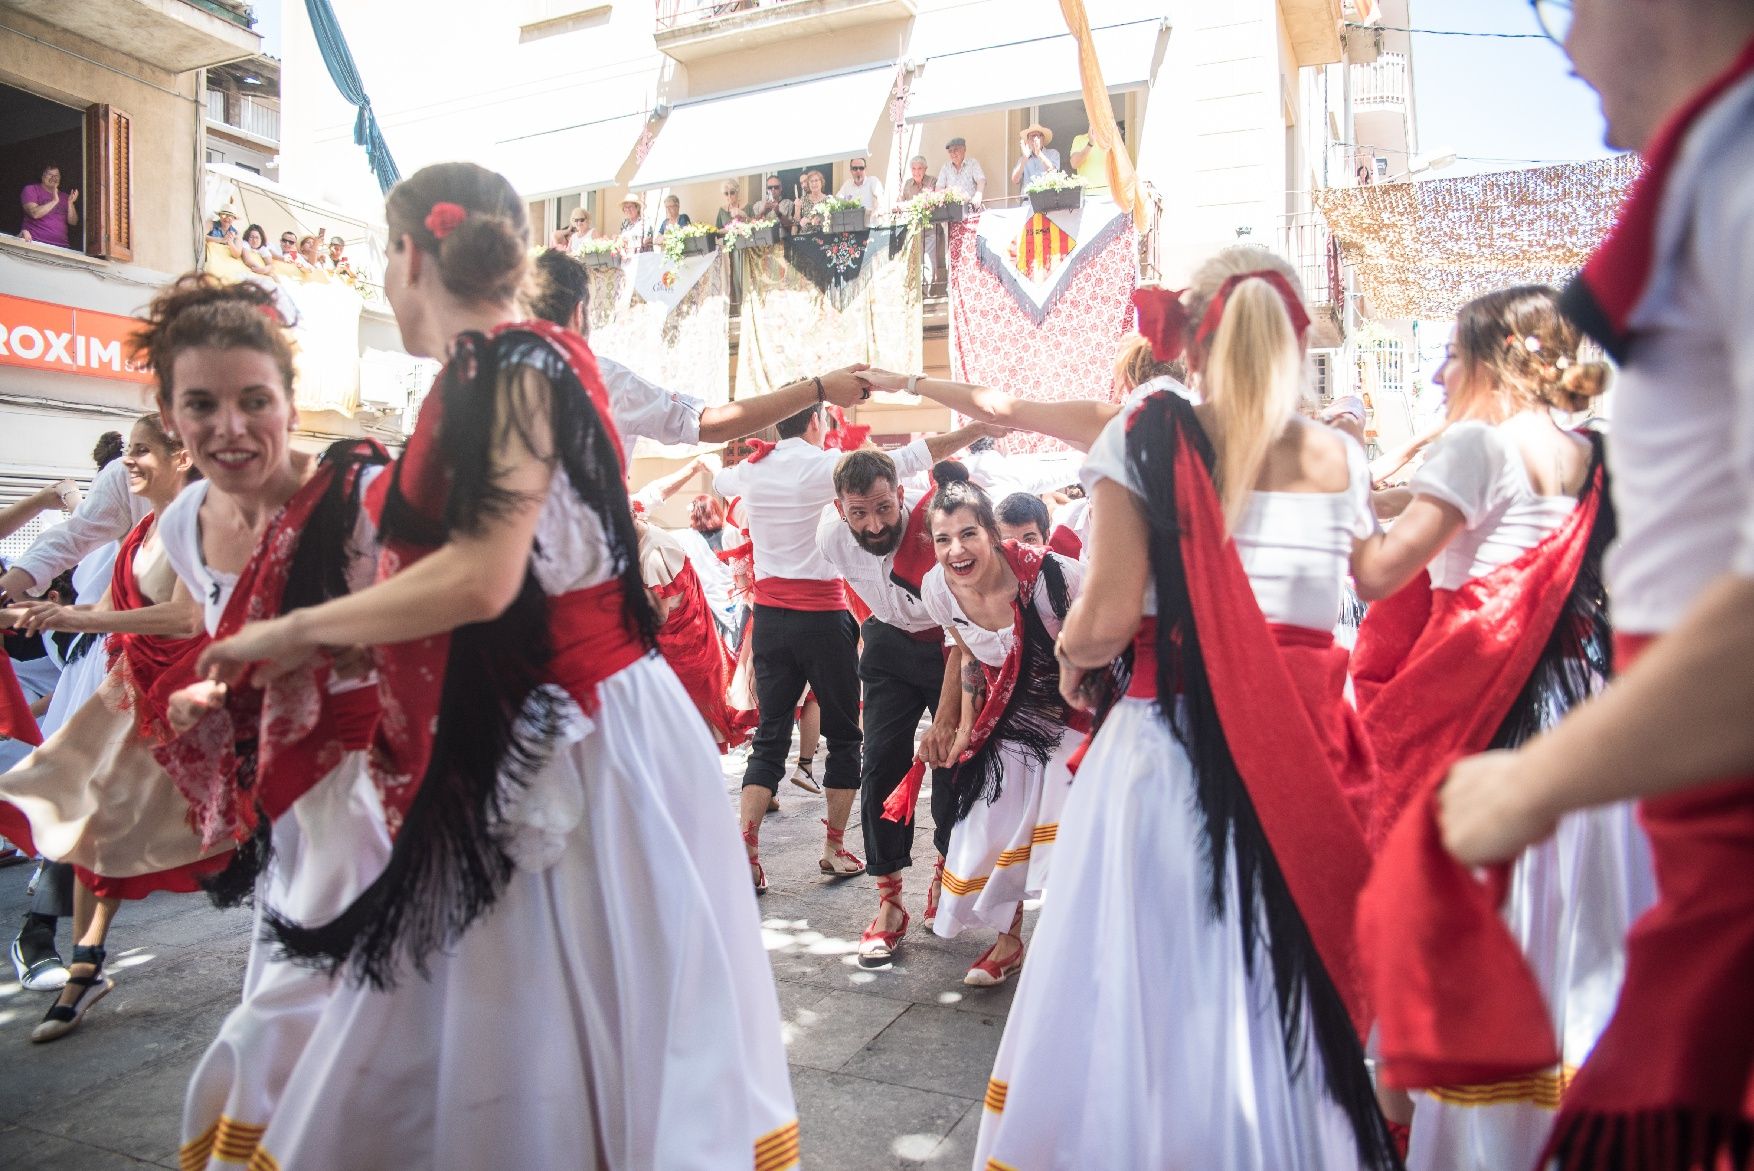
1583 381
947 472
482 258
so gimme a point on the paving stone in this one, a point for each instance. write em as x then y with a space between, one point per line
933 1048
22 1148
828 1033
957 1149
852 1124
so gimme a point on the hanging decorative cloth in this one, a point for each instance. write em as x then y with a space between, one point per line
837 262
1040 246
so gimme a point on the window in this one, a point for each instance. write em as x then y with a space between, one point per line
38 134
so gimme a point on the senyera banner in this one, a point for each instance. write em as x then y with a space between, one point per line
40 335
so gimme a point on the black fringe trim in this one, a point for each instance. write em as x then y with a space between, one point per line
1651 1140
318 573
1311 1010
1034 718
497 723
1578 657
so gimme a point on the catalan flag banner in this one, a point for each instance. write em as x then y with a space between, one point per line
1040 246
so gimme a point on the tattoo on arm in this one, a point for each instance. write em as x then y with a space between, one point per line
973 679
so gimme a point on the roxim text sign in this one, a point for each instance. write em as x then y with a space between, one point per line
39 335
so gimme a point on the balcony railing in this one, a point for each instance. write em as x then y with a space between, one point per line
1381 84
250 115
692 30
1305 241
677 14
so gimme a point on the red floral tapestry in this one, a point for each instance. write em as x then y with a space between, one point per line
997 340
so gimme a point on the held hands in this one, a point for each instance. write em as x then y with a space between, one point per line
275 646
874 379
1488 809
35 617
936 744
845 387
188 705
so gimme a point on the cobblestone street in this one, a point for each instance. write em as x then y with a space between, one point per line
889 1067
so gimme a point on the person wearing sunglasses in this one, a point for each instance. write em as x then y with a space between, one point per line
861 186
1669 295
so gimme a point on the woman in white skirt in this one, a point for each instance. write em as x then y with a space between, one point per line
554 801
1001 604
1190 1000
1504 493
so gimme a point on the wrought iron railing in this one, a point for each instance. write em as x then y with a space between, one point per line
680 14
1382 82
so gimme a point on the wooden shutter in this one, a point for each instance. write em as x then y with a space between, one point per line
108 212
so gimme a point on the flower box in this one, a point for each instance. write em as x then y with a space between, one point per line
848 220
601 259
700 245
1065 199
949 213
764 237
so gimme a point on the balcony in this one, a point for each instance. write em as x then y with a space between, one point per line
1314 29
690 30
177 36
1382 84
248 116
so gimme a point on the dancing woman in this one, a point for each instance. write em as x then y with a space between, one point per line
93 795
552 794
1002 604
1505 633
1190 1001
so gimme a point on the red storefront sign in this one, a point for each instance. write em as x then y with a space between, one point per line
39 335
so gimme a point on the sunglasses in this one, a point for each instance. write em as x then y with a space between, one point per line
289 241
858 168
773 186
579 219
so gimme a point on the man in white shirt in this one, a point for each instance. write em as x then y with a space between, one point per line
904 669
962 173
864 188
802 633
106 514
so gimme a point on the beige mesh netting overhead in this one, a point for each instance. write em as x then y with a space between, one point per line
1424 249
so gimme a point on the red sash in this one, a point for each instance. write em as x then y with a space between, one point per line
592 641
800 593
412 674
16 722
1456 1002
151 667
691 644
298 729
1279 750
1673 1073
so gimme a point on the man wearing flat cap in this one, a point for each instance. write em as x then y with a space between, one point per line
962 173
1038 158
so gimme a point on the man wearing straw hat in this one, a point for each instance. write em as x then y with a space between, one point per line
1038 159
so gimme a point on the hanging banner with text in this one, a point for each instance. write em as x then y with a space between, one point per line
39 335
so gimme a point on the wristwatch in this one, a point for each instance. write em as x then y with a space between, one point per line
913 382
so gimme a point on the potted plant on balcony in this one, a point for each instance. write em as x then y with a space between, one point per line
933 207
842 215
599 252
752 233
693 240
1055 191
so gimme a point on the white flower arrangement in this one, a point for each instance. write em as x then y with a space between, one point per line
675 238
738 230
1055 181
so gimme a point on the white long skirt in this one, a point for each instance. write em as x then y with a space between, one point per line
327 849
615 1008
1138 1039
1000 853
1571 901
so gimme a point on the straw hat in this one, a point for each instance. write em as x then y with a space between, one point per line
630 197
1047 136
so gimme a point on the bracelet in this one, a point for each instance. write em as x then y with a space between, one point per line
913 382
821 395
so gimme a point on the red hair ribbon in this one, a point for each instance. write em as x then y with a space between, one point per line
1163 318
444 219
1293 303
845 436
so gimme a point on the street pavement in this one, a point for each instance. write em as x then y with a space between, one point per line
889 1067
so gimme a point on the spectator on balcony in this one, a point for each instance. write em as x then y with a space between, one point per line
962 173
733 211
337 261
309 258
632 233
804 207
1090 162
224 227
49 211
773 204
861 187
1038 157
673 217
916 184
289 247
253 250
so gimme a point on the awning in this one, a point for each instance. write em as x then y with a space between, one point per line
1003 77
768 129
574 158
